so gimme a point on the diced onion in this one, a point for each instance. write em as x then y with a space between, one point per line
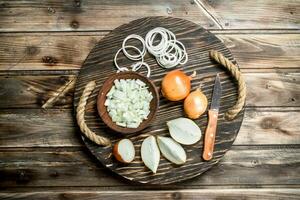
128 102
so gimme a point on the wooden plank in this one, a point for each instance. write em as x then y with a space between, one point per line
24 127
270 51
68 51
45 52
84 15
240 166
57 128
283 88
207 194
261 14
57 90
278 126
90 15
27 91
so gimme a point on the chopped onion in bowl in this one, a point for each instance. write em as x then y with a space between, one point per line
128 102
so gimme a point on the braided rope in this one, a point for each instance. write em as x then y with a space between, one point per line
220 58
103 141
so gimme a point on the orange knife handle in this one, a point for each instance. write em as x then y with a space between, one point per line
210 134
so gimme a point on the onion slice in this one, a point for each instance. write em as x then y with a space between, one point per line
184 131
150 153
171 150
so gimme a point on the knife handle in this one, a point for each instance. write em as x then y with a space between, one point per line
210 135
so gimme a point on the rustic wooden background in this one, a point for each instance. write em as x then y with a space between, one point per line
42 46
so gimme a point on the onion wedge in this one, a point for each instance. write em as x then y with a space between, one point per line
150 153
184 131
171 150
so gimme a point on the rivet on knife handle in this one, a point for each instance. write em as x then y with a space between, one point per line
210 134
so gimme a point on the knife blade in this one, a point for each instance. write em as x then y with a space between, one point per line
210 132
217 92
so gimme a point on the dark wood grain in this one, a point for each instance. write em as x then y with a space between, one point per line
51 51
57 128
44 52
56 91
99 66
107 85
208 194
79 15
242 166
28 91
263 14
24 127
261 51
18 16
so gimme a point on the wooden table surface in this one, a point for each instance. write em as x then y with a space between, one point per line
42 46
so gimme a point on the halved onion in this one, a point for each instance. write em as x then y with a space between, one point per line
124 151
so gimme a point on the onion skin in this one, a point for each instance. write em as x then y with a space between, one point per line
116 153
195 104
176 85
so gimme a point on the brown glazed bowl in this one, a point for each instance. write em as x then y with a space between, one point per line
107 85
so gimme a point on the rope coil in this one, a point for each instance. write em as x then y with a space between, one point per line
233 69
100 140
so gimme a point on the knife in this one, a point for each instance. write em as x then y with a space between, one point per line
213 112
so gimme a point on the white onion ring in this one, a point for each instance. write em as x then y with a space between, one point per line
142 52
158 49
169 52
120 69
138 65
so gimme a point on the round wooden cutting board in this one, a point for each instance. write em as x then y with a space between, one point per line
99 66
